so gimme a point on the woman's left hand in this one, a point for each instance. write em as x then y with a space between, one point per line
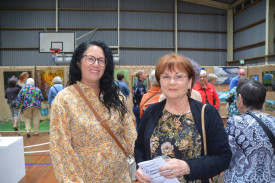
175 168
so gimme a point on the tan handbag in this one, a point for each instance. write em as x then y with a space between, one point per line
215 179
129 158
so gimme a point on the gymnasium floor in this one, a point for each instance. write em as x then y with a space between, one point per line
37 163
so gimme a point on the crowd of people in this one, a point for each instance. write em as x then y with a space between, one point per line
177 118
27 101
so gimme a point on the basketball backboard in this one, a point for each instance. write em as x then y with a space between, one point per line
65 42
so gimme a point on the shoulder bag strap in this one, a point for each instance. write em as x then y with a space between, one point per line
216 178
151 97
103 123
55 90
265 128
203 130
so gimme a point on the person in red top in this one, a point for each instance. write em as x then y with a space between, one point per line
152 96
207 91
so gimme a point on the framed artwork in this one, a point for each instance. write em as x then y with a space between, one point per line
223 96
44 80
269 80
134 79
254 77
126 74
225 74
270 105
21 76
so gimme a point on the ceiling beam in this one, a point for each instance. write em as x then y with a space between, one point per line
213 4
237 3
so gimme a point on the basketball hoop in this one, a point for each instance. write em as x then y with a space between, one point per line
54 51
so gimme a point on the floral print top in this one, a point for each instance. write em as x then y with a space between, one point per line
29 96
253 158
80 148
176 136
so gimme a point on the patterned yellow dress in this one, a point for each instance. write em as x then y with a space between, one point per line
81 149
177 137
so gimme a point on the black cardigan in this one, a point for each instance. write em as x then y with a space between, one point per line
218 149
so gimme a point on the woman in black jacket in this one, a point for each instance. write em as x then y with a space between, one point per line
11 94
172 128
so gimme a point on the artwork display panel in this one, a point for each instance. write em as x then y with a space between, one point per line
21 76
225 74
254 77
223 96
270 105
45 80
126 75
269 80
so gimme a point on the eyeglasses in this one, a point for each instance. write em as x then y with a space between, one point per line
91 60
177 78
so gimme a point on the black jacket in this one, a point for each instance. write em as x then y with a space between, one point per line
218 149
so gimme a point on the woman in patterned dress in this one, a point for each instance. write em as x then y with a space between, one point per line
172 128
81 149
253 157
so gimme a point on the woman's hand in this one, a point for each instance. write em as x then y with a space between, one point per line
175 168
141 177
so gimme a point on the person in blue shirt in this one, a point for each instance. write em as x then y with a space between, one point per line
57 87
234 81
122 85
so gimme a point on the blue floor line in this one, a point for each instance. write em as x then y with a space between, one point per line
39 164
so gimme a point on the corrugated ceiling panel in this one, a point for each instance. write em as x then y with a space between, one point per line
27 4
202 40
141 57
88 4
250 15
147 20
202 22
89 19
25 58
196 8
249 53
249 36
147 39
15 18
26 38
109 37
165 5
206 58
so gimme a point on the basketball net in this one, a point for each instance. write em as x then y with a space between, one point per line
54 53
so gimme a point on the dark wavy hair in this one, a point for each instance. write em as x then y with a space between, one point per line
110 92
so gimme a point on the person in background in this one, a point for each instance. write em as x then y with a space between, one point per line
138 91
80 147
231 106
11 94
57 87
122 85
152 96
207 90
29 100
234 81
212 78
172 128
253 157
